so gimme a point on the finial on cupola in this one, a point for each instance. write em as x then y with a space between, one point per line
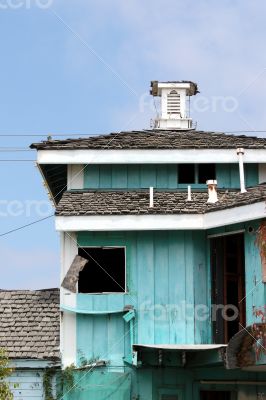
174 113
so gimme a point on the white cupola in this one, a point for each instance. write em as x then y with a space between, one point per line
174 113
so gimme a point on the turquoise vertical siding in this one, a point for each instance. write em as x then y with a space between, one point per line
162 176
130 176
163 286
228 175
168 282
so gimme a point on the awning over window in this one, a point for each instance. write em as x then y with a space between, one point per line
179 355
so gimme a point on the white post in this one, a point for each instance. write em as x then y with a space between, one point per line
189 193
240 153
151 196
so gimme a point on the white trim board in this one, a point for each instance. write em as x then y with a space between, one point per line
161 221
139 156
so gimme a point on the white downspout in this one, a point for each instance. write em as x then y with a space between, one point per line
240 153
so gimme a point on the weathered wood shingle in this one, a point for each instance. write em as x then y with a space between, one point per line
121 202
30 323
156 139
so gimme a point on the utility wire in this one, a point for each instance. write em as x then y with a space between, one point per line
25 226
99 134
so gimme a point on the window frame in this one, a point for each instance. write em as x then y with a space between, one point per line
125 267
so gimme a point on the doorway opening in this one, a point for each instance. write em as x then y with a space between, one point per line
228 286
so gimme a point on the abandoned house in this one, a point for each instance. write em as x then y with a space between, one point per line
163 271
29 331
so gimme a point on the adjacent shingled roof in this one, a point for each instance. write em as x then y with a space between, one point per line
118 202
29 323
156 139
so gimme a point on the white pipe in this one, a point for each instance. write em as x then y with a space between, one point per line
151 196
240 153
189 193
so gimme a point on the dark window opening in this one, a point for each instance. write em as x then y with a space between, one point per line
196 173
228 286
105 271
186 173
215 395
206 172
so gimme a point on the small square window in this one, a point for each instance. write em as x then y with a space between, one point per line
105 271
206 172
186 173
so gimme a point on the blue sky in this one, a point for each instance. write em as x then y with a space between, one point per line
84 67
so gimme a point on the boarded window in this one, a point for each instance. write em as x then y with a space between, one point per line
105 272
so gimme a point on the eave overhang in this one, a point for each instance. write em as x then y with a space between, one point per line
205 221
148 156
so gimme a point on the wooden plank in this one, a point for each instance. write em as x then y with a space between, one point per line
177 293
92 177
119 176
161 281
105 177
145 260
133 176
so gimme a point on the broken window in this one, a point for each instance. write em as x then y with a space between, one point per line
105 271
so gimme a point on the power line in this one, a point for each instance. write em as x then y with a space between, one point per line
25 226
17 160
52 134
70 135
13 150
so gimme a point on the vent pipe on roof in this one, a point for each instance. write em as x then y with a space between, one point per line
189 193
151 196
240 153
212 191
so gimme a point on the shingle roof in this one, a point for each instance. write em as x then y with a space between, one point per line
29 323
118 202
156 139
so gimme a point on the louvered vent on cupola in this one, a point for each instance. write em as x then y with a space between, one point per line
174 111
173 102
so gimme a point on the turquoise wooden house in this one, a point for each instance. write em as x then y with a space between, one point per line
162 280
29 332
